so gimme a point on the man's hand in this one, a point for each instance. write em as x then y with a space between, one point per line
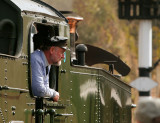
56 98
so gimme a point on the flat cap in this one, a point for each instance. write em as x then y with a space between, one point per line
41 41
59 41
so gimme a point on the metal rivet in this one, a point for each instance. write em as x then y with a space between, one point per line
13 112
5 70
5 94
13 107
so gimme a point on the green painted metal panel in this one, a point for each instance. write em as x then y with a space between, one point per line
115 100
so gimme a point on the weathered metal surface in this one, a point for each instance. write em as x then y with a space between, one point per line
32 6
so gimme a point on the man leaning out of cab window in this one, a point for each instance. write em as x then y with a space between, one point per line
50 53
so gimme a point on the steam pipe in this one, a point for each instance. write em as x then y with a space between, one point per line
39 110
73 21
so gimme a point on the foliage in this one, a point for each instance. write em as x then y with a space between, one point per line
101 27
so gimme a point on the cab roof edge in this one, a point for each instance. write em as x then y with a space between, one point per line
52 8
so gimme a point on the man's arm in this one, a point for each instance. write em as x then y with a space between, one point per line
40 84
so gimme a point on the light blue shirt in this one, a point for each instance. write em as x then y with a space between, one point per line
40 81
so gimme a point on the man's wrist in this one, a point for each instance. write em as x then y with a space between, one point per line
55 94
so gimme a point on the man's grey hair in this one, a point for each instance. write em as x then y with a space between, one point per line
147 110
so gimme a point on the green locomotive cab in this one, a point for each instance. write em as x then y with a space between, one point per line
87 94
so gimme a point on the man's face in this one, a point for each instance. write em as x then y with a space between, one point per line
57 54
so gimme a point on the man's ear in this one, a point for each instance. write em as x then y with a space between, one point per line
52 49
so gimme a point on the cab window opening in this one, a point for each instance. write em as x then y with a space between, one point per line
36 42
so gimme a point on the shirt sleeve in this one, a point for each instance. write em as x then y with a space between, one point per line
40 84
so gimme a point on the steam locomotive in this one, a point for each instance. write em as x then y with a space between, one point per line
87 94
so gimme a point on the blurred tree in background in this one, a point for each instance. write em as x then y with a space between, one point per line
101 27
